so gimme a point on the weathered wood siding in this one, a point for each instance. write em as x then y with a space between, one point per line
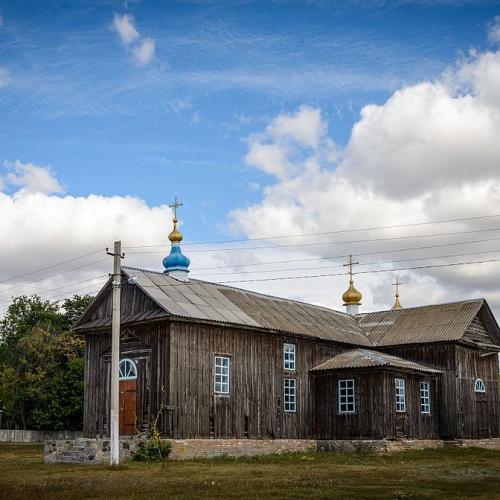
461 366
254 407
471 365
148 346
375 415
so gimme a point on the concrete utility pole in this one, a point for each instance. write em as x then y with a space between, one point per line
114 456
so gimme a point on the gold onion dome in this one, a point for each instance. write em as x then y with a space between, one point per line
397 304
175 236
351 295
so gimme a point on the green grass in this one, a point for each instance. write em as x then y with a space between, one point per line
449 473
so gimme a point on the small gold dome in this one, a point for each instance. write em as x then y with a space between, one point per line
175 236
397 304
351 295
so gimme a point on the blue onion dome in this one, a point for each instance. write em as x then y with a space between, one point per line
176 261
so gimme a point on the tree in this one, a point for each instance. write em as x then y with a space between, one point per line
41 364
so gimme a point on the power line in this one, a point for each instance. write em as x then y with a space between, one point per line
370 240
49 267
432 266
339 231
361 264
333 257
53 275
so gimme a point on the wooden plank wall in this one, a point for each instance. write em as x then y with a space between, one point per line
441 357
471 366
375 415
255 406
151 352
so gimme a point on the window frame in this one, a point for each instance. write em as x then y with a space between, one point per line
479 386
425 397
290 406
292 364
127 377
222 383
350 399
400 392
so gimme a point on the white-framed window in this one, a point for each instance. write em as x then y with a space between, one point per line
290 395
289 357
400 395
128 369
221 374
425 397
479 386
347 397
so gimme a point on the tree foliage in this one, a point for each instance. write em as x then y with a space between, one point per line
41 364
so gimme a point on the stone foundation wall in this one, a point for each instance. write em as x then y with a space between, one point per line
183 449
93 451
86 451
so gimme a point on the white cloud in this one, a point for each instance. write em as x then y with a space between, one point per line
305 126
494 30
270 158
141 49
5 78
31 178
125 27
430 152
144 52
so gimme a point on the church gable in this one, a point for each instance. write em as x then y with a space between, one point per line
135 306
483 328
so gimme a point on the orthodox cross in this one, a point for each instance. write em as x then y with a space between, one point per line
350 264
175 205
397 284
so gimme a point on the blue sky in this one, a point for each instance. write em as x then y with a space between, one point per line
266 119
77 101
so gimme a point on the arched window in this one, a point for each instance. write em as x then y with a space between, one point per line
128 369
479 386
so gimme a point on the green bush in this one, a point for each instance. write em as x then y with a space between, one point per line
152 450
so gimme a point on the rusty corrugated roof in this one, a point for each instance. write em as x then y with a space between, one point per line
365 358
419 325
214 302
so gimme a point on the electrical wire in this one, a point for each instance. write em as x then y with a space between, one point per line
370 240
12 278
374 228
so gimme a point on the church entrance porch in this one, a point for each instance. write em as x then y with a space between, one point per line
128 397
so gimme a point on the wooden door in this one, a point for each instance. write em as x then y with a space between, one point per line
128 402
482 415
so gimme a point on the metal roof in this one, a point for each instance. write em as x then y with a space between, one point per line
214 302
418 325
364 358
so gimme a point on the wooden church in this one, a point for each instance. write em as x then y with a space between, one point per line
208 360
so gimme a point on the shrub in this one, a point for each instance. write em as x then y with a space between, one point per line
152 450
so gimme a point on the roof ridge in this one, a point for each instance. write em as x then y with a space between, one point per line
465 301
222 285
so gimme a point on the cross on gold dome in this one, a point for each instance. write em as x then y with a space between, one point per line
175 205
350 264
351 296
175 236
397 284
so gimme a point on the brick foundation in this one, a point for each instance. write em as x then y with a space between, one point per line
93 451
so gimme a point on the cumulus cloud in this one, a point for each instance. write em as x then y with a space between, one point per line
31 178
144 52
141 49
430 152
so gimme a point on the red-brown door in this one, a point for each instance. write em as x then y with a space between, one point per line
482 415
128 401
